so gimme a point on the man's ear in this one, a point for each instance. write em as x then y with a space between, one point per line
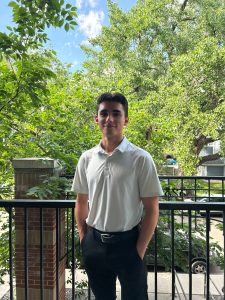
126 121
96 119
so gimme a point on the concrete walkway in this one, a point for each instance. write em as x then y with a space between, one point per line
165 282
164 285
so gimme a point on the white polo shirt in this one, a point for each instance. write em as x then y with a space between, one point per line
114 184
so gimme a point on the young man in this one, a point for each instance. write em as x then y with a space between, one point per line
119 180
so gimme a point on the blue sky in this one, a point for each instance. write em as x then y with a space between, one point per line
92 14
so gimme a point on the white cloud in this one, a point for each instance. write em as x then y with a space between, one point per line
75 63
79 4
91 23
85 43
68 44
92 3
71 44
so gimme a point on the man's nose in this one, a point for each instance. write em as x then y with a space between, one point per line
109 117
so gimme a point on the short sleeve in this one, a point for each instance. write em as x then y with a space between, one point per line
148 181
80 179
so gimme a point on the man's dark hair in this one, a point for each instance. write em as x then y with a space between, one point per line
116 97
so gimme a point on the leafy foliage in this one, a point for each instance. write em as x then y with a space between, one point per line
168 58
31 19
27 69
51 188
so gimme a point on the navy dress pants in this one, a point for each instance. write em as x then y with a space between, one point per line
105 262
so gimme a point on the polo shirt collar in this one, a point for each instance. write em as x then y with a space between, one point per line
121 147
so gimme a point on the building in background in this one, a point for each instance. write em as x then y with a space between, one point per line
213 167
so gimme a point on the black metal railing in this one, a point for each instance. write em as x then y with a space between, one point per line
172 207
179 188
181 217
175 210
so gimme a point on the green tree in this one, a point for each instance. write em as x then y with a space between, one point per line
26 68
168 58
196 102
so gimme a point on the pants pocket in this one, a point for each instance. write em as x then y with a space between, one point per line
137 255
82 242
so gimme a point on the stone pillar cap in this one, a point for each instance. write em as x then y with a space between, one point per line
35 163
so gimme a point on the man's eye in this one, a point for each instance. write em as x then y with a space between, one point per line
116 114
103 114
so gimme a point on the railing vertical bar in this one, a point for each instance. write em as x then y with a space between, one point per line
57 253
224 253
195 213
209 192
182 193
156 263
190 252
26 252
169 196
67 236
182 189
10 254
207 255
89 292
73 255
41 256
172 254
223 187
223 243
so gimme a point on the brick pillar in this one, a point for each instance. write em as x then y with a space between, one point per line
28 173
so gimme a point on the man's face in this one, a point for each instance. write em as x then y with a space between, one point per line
111 119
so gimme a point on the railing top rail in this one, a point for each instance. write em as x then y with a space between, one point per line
172 205
192 177
33 203
169 205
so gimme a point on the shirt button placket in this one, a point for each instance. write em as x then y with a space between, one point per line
106 167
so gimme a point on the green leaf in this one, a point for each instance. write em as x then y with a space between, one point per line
61 22
13 4
68 5
73 13
73 23
67 27
56 5
9 28
69 18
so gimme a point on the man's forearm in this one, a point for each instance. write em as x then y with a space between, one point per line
147 228
81 213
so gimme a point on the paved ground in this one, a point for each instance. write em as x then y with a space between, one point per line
164 286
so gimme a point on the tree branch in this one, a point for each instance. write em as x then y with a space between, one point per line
15 127
210 157
182 8
188 19
201 141
184 4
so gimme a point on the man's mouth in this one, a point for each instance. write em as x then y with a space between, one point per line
109 126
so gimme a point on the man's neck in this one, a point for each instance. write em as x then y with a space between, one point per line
109 145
